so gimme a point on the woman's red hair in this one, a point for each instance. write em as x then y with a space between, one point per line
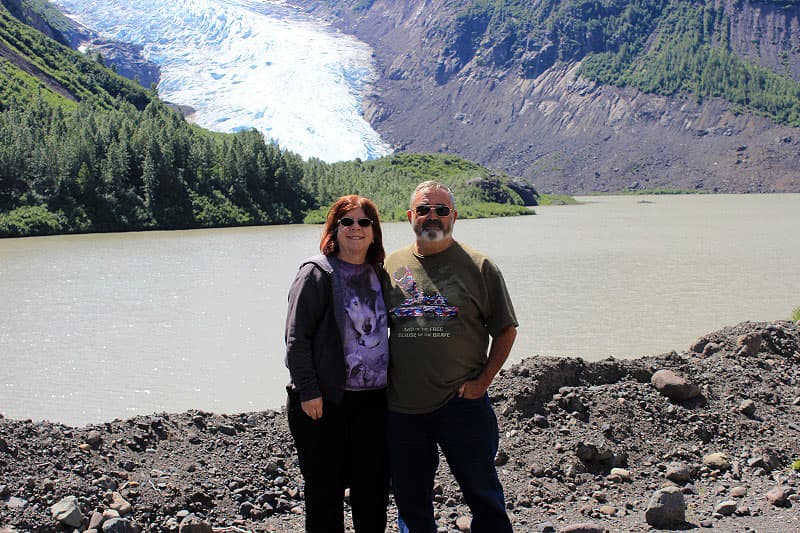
328 244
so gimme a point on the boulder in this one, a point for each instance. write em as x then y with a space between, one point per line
673 386
749 344
67 512
717 461
678 473
120 525
193 524
119 504
777 496
726 508
666 509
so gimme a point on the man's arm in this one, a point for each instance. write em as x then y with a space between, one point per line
498 353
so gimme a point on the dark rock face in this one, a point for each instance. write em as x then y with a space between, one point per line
584 446
538 119
126 59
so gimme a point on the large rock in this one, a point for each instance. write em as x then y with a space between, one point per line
666 509
777 496
67 512
717 461
120 525
119 504
749 344
193 524
673 386
678 473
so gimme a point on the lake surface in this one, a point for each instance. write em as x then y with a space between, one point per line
94 327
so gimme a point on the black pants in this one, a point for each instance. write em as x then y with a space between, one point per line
346 447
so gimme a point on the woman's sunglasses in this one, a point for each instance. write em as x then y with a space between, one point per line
441 210
363 222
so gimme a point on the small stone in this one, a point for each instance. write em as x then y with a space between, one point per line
739 492
743 510
747 407
777 496
711 348
119 504
586 527
17 503
501 458
726 508
94 438
96 520
541 421
536 470
619 474
68 512
698 345
463 523
717 461
608 510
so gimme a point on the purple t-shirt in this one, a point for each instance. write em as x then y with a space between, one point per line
365 336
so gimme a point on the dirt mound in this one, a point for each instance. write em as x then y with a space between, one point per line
584 447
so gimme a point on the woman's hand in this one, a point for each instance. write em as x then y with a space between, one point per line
313 408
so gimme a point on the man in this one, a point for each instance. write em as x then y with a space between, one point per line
445 301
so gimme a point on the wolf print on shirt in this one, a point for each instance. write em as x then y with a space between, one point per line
365 331
418 304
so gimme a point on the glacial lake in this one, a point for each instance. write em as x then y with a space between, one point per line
97 327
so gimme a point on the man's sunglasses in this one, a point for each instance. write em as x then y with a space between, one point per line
441 210
363 222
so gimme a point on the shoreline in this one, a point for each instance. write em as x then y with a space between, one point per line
580 443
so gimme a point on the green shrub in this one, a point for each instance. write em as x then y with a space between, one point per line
796 464
31 220
796 314
557 199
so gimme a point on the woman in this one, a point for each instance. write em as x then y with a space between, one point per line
337 353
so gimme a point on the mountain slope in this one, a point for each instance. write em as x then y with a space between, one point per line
580 95
33 65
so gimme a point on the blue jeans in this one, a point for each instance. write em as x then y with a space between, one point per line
466 431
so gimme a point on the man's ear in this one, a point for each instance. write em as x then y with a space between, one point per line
408 214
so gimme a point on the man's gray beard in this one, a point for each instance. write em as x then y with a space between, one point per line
433 234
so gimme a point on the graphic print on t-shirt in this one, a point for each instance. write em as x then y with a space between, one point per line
366 344
418 304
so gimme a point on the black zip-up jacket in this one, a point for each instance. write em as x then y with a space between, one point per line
314 351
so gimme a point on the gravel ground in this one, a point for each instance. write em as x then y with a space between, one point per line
699 439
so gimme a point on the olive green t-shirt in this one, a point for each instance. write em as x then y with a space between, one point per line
442 309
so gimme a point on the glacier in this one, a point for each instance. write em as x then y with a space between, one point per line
243 64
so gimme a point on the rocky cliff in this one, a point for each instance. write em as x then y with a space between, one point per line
535 116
